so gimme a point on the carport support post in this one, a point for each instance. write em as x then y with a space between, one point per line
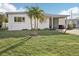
66 22
65 25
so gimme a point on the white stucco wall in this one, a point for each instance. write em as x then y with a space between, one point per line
44 24
24 25
18 25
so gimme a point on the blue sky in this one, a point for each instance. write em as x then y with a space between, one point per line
53 8
50 8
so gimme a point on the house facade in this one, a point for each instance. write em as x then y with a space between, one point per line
21 20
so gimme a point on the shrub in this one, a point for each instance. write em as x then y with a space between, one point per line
71 25
3 28
25 29
46 29
74 25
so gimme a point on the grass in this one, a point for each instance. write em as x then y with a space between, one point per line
47 43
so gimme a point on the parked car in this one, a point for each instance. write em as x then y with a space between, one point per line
0 26
61 26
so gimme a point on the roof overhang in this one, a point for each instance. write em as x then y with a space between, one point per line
48 15
16 12
57 16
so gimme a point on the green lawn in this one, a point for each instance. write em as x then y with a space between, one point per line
52 43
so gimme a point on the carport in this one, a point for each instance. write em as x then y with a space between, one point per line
54 21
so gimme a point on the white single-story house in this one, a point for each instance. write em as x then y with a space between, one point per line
21 20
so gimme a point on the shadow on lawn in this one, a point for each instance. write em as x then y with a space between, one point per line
15 45
49 33
12 34
18 34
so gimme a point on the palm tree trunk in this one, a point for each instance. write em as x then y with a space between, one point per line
65 25
31 33
35 24
35 27
31 23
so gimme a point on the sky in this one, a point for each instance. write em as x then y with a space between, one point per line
53 8
50 8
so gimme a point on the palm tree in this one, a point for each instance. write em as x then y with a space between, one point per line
3 20
30 14
37 14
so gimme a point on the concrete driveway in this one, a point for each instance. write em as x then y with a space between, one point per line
73 31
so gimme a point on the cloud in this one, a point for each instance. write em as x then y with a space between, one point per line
21 9
74 10
7 7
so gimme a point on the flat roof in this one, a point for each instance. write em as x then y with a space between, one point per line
49 15
15 12
57 15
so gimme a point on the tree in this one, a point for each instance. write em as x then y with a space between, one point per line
30 14
3 19
37 14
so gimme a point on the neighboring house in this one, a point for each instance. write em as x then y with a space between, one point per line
21 20
75 21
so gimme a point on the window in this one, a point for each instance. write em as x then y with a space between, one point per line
19 19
